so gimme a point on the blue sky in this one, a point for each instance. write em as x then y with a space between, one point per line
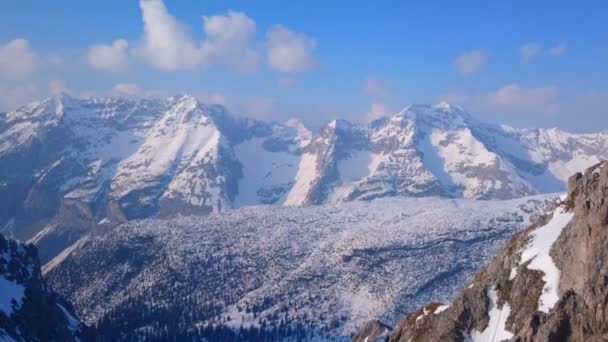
524 63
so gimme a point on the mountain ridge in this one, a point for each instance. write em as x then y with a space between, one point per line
70 165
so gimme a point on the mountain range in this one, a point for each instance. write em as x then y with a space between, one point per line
68 166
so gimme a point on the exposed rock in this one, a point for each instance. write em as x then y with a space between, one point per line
29 309
549 283
373 331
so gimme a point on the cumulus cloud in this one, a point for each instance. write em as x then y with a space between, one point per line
469 63
167 43
516 99
230 41
17 59
289 51
530 51
128 89
112 57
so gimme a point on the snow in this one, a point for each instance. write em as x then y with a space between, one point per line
358 260
63 255
496 330
564 169
73 323
262 169
10 291
441 308
538 250
307 174
4 336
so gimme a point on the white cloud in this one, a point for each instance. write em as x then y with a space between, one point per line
469 63
289 51
377 111
17 60
531 50
230 41
112 57
168 44
128 89
559 49
514 99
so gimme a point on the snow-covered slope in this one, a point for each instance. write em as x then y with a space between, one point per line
68 165
29 309
328 267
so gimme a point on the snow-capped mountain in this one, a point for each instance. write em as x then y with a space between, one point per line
29 309
326 268
68 165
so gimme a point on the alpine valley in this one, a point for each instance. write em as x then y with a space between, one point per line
171 219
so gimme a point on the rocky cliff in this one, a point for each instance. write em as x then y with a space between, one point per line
29 309
549 283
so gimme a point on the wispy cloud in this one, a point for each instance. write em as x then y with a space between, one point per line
529 51
532 50
289 51
470 62
559 49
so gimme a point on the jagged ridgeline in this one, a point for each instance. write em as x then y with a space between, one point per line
549 283
29 309
69 165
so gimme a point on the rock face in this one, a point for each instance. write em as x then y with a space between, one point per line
29 309
373 331
550 282
69 165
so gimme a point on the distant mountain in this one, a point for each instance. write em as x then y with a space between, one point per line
68 165
29 309
321 269
549 283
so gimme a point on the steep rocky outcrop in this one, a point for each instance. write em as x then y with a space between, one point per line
29 309
549 283
373 331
